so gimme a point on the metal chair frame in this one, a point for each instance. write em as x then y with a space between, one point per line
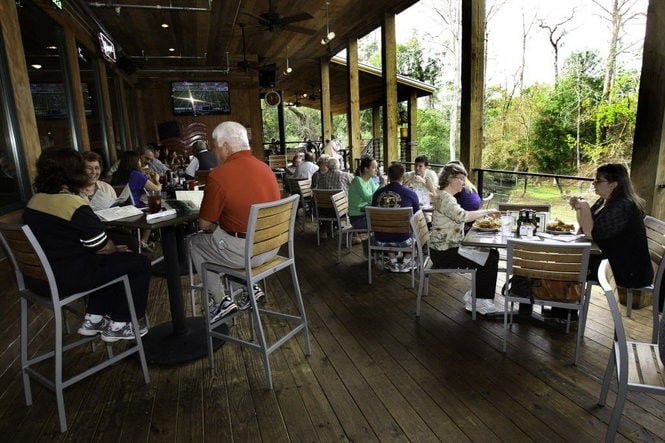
565 262
28 259
271 225
344 227
636 364
422 236
388 220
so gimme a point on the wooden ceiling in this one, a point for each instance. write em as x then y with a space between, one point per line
206 36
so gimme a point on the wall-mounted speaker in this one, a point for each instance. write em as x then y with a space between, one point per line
267 78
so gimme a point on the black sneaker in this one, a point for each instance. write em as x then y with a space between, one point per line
222 309
244 302
89 328
118 330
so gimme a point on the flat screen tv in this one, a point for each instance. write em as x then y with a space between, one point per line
200 98
50 101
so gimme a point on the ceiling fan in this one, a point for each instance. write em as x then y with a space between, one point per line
272 21
246 65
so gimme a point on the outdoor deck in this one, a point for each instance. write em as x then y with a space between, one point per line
375 373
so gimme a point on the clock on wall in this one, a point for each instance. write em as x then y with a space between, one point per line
273 98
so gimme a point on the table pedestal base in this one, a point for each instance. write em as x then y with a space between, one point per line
164 348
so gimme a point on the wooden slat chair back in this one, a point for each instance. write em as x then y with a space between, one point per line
538 207
340 202
305 188
323 200
421 235
637 365
389 221
655 230
271 226
277 161
562 263
29 260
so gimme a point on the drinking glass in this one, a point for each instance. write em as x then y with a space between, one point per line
154 201
506 225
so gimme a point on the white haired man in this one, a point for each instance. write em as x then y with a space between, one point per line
239 181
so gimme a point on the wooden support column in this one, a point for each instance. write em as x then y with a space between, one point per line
376 122
123 102
412 108
20 83
78 108
106 110
280 124
473 79
326 113
648 162
389 76
353 110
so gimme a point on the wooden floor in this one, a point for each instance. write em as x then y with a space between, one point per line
375 373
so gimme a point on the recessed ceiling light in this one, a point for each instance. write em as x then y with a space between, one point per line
51 47
36 66
171 49
165 25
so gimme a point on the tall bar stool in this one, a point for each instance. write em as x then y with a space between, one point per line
28 260
271 225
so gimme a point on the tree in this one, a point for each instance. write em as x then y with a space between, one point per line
556 33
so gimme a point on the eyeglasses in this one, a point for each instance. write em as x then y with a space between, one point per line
595 182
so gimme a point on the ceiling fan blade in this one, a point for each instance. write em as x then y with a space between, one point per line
299 29
296 18
254 16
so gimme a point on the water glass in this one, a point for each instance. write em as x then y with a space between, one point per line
506 225
154 201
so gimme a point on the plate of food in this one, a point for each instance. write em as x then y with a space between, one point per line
487 224
558 227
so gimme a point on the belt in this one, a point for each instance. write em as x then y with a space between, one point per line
236 234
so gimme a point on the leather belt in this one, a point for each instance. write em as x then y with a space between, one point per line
236 234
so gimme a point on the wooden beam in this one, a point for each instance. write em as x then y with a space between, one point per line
412 107
20 83
280 124
389 73
326 114
129 144
353 112
648 161
107 116
473 83
376 122
78 108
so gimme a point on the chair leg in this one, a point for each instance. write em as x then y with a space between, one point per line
473 296
580 332
656 318
585 308
204 297
568 321
629 302
57 381
65 322
339 246
254 312
617 411
505 327
301 308
421 289
192 291
24 352
607 378
318 235
135 325
369 264
109 350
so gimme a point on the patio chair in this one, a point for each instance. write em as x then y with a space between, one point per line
563 263
344 227
305 191
271 225
29 260
388 221
421 235
323 200
637 365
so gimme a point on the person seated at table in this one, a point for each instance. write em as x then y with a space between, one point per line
616 223
396 195
306 169
361 191
329 176
468 198
154 164
79 250
448 232
202 159
240 181
422 180
295 162
99 194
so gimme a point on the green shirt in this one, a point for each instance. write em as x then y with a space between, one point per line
360 195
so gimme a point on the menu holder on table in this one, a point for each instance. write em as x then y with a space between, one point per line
161 214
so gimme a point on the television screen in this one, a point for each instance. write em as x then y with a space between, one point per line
50 101
200 98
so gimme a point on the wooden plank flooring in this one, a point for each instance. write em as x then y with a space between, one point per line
375 372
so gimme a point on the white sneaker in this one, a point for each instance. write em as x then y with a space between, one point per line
467 300
485 306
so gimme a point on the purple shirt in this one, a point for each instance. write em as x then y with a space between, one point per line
395 195
469 200
137 181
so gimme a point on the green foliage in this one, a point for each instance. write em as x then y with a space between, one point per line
433 133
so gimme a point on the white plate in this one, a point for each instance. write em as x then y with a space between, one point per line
486 229
560 232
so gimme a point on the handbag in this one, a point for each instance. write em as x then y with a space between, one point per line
543 289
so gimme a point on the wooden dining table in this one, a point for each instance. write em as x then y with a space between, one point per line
495 239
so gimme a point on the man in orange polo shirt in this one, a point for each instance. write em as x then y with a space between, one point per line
239 181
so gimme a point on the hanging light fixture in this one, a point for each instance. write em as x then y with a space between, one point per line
288 69
329 34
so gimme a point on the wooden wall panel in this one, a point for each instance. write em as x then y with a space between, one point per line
245 107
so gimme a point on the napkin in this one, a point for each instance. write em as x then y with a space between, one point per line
475 254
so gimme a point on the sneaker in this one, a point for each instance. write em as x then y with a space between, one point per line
90 328
467 300
394 265
406 266
244 302
119 330
222 309
386 263
485 306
